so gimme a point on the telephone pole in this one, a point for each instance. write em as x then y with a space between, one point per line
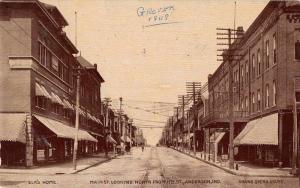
76 116
192 87
228 55
182 101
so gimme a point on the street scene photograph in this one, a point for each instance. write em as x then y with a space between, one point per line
150 93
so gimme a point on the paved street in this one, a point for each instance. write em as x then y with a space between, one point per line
155 167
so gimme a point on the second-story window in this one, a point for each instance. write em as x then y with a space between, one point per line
247 73
246 104
274 93
253 102
41 102
242 76
253 66
258 100
267 96
258 63
274 49
267 54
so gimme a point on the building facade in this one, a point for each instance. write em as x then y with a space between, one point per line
38 88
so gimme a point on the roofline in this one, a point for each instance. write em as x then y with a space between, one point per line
45 11
256 23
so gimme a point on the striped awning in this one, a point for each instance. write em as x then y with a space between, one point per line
64 131
262 131
56 99
41 91
12 127
67 104
111 140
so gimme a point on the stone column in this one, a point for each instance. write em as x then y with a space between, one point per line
29 142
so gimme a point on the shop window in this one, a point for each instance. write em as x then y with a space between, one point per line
297 50
41 102
66 113
56 108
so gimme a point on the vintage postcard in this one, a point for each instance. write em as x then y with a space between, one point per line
149 93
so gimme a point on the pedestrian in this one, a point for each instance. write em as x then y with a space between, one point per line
142 148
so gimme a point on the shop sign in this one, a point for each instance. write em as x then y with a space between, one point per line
40 155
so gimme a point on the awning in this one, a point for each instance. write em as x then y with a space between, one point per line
216 137
12 127
64 131
191 124
67 104
127 139
263 131
111 140
41 91
56 99
96 134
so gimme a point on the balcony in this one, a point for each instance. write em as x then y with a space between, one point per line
223 117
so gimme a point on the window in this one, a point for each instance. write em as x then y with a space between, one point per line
267 54
253 66
297 50
258 100
274 93
253 102
42 54
267 96
246 104
66 113
242 104
242 75
258 63
247 72
274 49
54 63
55 108
41 102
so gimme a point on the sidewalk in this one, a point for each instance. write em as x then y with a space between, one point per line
63 168
245 169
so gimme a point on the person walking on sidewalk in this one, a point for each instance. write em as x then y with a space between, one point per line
143 148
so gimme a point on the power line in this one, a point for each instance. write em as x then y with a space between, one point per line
137 108
148 120
144 101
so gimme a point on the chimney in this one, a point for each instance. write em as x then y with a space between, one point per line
239 32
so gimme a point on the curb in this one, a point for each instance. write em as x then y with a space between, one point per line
58 173
233 172
96 164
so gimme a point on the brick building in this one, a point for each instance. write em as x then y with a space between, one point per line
263 87
38 85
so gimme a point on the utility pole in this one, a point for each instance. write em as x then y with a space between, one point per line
120 118
228 55
76 118
192 87
181 100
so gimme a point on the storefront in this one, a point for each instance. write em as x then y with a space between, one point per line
12 139
258 141
54 140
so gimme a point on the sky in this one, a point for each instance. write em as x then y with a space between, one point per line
147 60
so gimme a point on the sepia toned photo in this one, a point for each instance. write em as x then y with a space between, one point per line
149 93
